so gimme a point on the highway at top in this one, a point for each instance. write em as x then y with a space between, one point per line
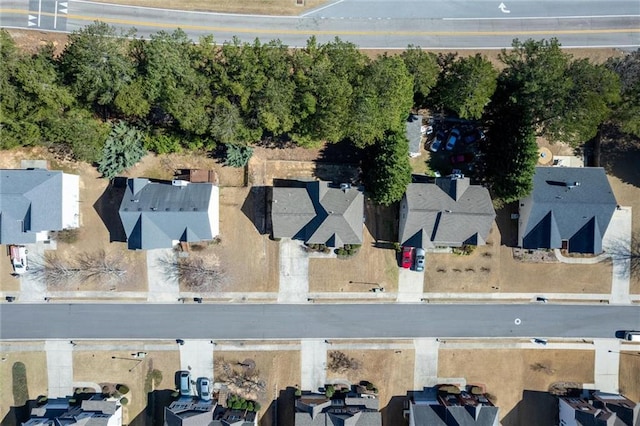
368 23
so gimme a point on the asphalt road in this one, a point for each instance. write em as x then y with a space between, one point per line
278 321
367 23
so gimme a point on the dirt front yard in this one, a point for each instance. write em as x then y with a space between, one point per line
510 373
276 370
391 371
629 374
119 367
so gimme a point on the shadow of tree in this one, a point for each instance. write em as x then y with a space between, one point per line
619 154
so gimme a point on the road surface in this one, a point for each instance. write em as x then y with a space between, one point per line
318 321
367 23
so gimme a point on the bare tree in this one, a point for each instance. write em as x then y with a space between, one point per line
242 381
53 270
58 271
101 266
340 362
542 367
197 273
620 251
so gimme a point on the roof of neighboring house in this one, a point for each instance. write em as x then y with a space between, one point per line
317 410
318 213
600 408
414 133
568 203
154 214
448 212
30 202
431 408
233 417
96 411
189 412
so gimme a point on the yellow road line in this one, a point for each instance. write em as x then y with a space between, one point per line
213 29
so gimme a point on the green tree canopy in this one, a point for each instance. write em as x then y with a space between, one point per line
424 69
386 168
96 64
382 101
627 112
466 85
124 148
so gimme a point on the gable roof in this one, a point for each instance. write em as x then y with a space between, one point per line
440 415
154 214
189 413
414 133
568 203
30 202
317 410
448 212
318 213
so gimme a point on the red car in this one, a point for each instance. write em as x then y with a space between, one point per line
407 257
461 158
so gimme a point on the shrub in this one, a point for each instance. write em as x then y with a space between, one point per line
162 143
298 392
123 389
329 391
238 155
250 406
256 406
124 401
236 405
243 404
20 388
123 149
68 236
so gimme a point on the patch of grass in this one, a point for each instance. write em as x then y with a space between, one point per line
153 379
20 387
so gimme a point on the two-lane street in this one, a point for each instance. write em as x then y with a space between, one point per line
367 23
281 321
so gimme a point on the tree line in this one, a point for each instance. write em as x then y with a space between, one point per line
109 97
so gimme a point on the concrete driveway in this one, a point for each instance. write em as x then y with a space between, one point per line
163 287
294 272
410 286
617 242
196 357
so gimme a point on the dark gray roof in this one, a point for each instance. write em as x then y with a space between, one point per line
154 214
189 413
318 213
317 410
449 212
440 415
30 202
568 203
414 133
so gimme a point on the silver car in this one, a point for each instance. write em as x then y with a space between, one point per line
204 389
420 259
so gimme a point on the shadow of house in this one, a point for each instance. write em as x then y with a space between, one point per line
536 408
382 223
392 413
256 208
286 407
17 415
507 226
153 414
107 206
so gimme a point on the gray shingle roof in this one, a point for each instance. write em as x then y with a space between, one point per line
154 214
318 213
30 202
567 203
414 133
449 212
439 415
189 413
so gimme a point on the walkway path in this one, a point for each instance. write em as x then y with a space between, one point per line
59 368
313 363
617 241
425 368
294 272
196 357
162 286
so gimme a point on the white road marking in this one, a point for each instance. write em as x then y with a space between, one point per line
321 8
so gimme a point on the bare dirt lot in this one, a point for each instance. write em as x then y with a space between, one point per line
508 372
389 370
629 374
278 370
100 367
22 374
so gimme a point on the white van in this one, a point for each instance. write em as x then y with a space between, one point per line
632 336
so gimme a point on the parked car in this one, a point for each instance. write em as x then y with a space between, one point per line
185 383
18 256
437 142
204 389
453 138
632 336
407 257
467 157
476 135
420 258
